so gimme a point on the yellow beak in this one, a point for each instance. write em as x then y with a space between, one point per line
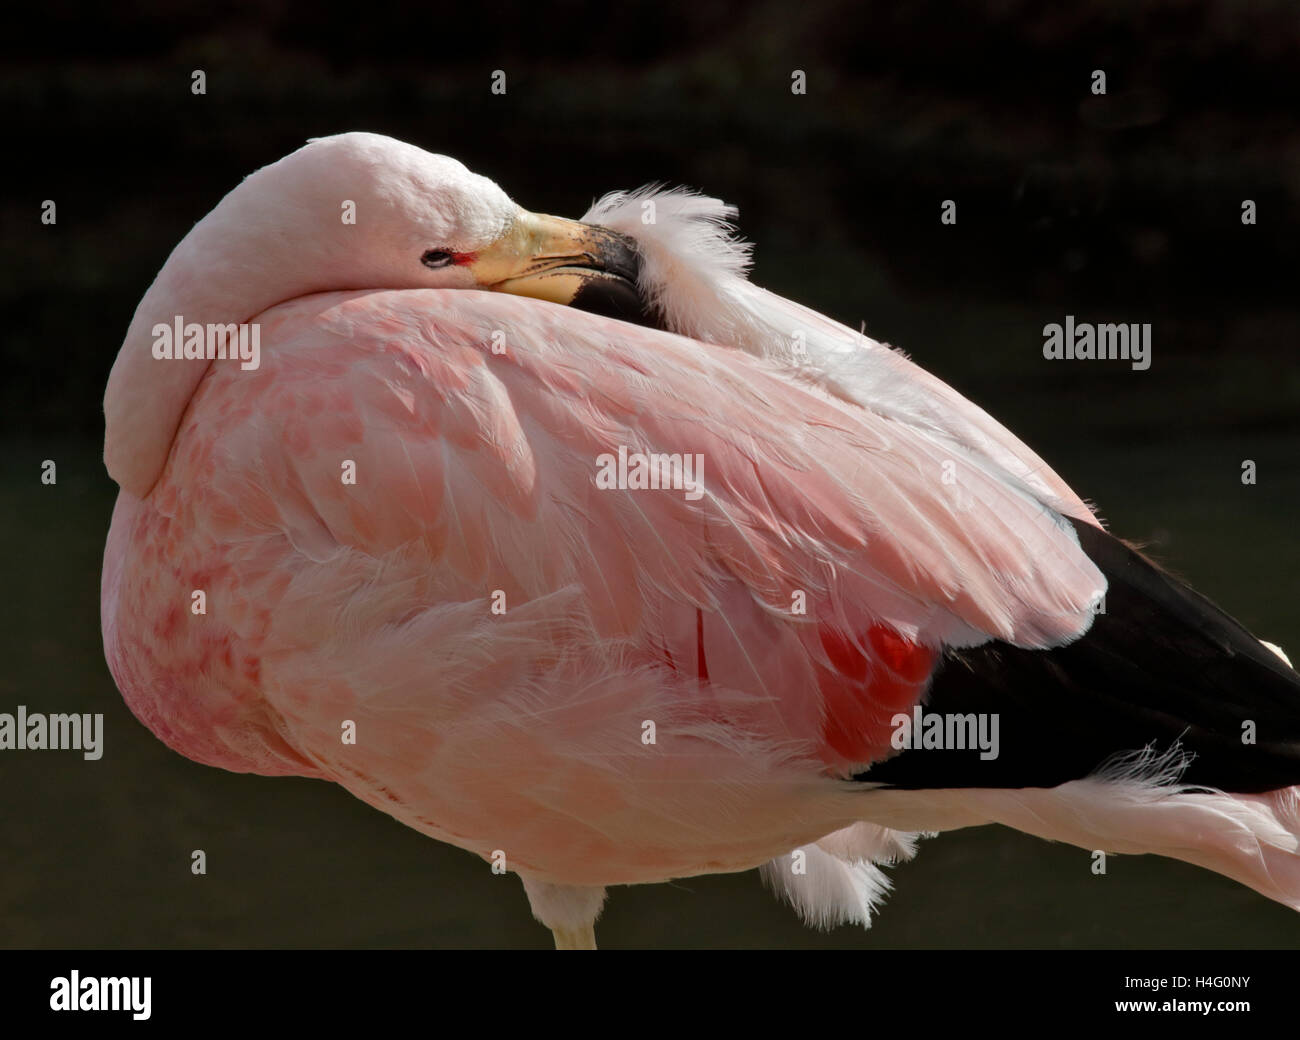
565 261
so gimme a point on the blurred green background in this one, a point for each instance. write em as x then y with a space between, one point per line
1117 208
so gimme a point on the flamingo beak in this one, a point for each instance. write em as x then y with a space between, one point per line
579 265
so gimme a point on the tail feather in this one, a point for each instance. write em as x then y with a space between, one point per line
1161 666
1252 838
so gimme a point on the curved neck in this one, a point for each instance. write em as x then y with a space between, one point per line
245 256
146 396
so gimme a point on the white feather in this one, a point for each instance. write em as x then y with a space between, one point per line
694 271
837 880
564 908
1134 806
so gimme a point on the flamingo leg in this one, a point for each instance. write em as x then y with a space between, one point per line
575 938
569 911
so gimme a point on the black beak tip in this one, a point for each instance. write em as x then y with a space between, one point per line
615 290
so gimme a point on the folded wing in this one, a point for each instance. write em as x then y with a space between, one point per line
807 554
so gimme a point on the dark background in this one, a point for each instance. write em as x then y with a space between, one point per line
1117 208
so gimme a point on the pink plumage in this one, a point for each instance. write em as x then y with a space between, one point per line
399 530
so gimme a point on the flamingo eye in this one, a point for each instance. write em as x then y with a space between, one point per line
436 258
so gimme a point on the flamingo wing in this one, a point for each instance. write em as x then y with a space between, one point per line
694 270
487 458
410 529
877 377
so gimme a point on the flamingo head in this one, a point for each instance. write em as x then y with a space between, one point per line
352 211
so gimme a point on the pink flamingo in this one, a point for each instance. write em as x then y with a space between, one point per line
415 551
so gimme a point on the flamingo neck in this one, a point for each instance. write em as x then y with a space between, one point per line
238 261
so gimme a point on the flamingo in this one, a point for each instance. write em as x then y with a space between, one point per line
566 544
